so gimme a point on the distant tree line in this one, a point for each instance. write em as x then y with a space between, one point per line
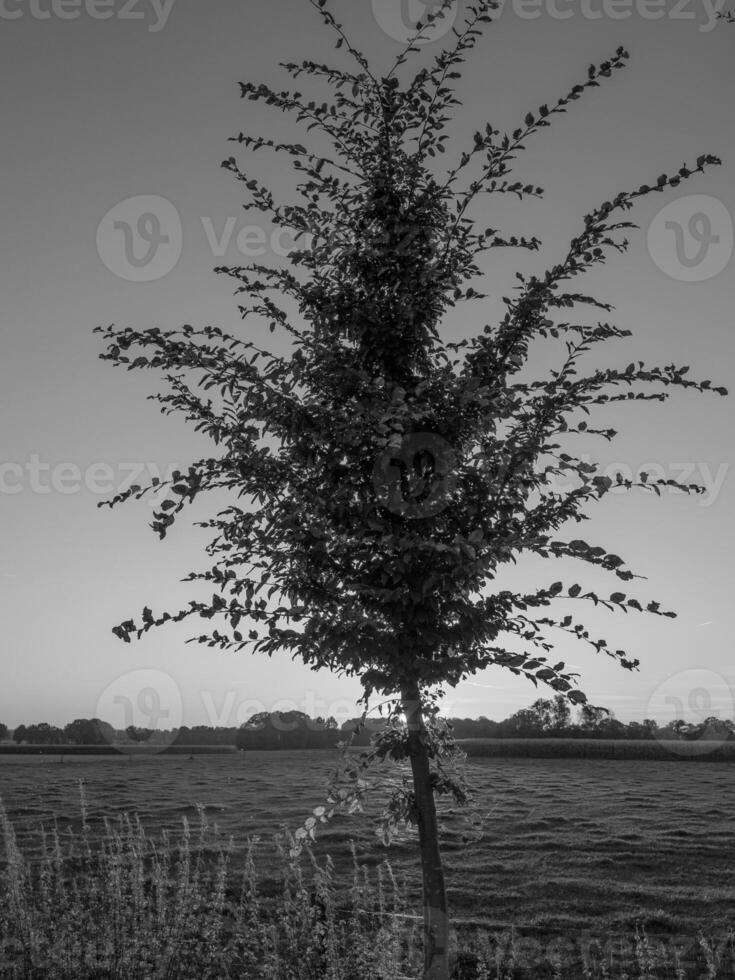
294 729
553 719
288 730
274 730
83 731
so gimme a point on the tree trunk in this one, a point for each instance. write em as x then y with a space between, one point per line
436 920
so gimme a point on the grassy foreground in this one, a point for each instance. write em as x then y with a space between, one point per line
120 904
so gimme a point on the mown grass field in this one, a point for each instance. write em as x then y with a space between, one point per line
570 845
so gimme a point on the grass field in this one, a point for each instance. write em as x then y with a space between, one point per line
681 750
569 844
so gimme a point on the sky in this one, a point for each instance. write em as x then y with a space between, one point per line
114 209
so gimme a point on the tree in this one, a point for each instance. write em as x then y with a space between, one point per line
635 730
89 731
712 729
542 718
382 476
524 723
40 734
676 729
561 713
329 724
592 718
610 727
19 734
3 732
76 731
136 734
650 726
287 730
362 731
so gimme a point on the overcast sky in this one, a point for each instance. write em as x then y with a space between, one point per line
106 102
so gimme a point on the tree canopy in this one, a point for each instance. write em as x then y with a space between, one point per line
388 474
382 474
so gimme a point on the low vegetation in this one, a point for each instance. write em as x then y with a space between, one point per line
112 902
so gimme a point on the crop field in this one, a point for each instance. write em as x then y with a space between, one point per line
569 845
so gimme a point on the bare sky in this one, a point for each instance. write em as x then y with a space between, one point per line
104 102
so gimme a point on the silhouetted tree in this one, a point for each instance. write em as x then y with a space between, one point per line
524 723
328 723
674 729
287 730
650 726
40 734
560 714
610 727
711 729
592 718
89 731
362 730
380 481
136 734
543 717
634 730
19 734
